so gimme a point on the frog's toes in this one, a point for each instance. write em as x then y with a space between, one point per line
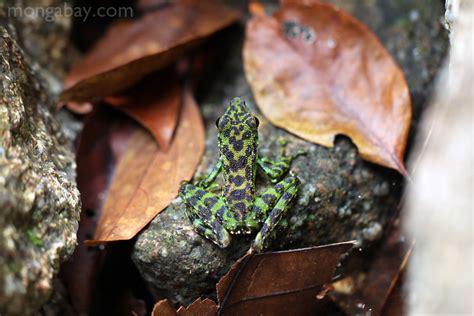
301 152
224 239
251 251
282 141
183 182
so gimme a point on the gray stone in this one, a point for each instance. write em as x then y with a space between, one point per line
341 197
39 200
42 30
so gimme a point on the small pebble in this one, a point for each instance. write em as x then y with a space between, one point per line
372 232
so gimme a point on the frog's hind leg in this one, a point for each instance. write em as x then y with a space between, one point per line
271 206
205 210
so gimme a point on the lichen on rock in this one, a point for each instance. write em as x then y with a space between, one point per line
39 200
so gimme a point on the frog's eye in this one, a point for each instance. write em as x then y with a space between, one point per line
222 122
253 122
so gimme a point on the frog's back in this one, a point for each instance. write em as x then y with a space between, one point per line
238 141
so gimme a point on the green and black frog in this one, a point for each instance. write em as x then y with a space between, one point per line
238 210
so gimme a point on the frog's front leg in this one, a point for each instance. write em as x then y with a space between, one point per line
271 207
207 213
207 180
275 169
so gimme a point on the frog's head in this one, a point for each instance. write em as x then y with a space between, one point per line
238 135
238 115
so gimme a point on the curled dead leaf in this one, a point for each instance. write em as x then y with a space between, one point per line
132 49
154 103
150 5
256 8
163 308
272 283
317 72
101 143
200 307
147 179
279 283
78 107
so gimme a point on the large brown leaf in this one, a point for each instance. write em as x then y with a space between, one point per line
131 49
200 307
163 308
317 72
104 135
147 179
154 103
272 283
279 283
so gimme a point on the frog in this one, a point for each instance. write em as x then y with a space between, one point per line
238 209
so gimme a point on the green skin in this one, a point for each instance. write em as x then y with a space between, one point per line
238 210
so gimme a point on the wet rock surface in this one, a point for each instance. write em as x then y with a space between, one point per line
42 31
341 197
39 200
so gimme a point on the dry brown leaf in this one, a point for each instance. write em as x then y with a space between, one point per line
147 179
149 5
163 308
272 283
154 103
317 72
130 50
77 107
201 307
279 283
104 134
395 304
385 270
256 8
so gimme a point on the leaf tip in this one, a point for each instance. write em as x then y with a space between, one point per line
256 8
397 163
163 307
92 242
